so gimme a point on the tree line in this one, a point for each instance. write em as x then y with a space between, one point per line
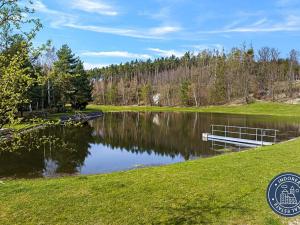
43 78
35 78
209 77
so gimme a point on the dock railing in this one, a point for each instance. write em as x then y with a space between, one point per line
258 134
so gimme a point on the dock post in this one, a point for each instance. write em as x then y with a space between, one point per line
261 136
240 132
256 133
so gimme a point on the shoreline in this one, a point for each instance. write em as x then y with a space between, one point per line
228 177
71 118
227 188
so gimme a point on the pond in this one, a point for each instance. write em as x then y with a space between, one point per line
123 141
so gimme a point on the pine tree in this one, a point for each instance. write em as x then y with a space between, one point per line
146 94
70 79
184 92
82 88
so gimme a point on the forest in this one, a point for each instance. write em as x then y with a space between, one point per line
35 78
42 78
130 143
206 78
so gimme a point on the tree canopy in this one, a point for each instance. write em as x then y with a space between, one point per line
35 78
203 78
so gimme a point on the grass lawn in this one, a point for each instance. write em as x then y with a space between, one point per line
258 108
21 126
228 189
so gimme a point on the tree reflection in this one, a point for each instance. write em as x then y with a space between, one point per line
176 134
48 152
165 134
63 150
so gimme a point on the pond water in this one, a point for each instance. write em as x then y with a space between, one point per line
122 141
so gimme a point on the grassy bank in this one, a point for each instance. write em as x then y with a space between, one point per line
228 189
258 108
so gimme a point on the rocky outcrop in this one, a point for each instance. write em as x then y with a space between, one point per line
81 117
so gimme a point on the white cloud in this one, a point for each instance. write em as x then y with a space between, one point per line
289 23
166 53
202 47
40 6
89 66
57 18
163 14
163 30
93 6
260 22
152 33
120 54
60 19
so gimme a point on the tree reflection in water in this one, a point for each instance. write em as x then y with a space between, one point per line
48 152
145 137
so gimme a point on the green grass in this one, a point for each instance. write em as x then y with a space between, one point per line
21 126
51 117
258 108
228 189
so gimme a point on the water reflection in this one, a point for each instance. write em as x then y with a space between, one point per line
64 151
120 141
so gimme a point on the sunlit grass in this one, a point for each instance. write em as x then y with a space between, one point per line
227 189
258 108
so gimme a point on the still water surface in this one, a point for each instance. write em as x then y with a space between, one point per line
122 141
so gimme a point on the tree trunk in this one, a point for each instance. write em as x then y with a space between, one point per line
49 94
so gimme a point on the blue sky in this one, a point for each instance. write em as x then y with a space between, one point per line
103 32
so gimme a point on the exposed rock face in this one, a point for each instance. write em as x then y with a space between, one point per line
156 99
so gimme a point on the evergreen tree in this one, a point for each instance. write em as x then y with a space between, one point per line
63 71
219 90
81 88
146 94
70 79
184 92
111 94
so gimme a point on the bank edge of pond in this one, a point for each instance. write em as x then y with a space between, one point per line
199 190
257 108
291 111
226 189
55 120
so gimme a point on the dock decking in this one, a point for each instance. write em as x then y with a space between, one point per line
240 141
242 136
